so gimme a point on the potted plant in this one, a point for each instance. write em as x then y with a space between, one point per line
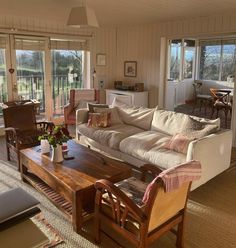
55 138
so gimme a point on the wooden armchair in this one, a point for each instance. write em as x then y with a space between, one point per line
141 223
21 128
77 98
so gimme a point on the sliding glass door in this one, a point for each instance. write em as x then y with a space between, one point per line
66 74
30 70
42 69
3 75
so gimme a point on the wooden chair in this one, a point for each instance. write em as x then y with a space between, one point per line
141 223
222 101
23 102
76 98
21 128
201 98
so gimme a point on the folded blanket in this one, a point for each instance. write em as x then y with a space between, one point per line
174 177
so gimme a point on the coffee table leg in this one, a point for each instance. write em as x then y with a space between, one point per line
77 210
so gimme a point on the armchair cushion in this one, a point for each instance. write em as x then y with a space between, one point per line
134 189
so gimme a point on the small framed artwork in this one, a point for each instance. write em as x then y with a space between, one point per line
101 59
130 68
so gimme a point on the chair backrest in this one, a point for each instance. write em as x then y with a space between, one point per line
166 195
76 95
197 86
222 95
21 116
166 205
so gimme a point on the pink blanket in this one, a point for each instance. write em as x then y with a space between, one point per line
174 177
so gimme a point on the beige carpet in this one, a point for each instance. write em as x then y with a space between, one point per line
210 223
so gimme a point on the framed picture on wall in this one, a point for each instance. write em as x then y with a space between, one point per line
130 68
101 59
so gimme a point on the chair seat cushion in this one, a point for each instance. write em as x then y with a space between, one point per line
206 97
134 189
148 146
109 136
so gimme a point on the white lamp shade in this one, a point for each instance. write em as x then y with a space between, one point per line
82 17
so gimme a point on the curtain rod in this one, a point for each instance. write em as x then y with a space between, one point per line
45 33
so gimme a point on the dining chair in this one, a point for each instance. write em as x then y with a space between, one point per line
222 101
142 212
204 99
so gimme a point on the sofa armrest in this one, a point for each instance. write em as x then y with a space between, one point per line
81 116
214 153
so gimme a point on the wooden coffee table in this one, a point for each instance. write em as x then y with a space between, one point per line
70 184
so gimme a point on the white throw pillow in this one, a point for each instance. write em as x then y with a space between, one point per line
115 118
117 103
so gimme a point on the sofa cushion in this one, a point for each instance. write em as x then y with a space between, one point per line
148 146
99 120
170 122
92 106
136 116
194 129
115 118
167 122
178 143
110 136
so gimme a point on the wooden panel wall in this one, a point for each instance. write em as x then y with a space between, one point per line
140 44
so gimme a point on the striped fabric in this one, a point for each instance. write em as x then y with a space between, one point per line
174 177
178 143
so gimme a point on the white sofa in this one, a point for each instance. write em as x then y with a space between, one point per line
140 134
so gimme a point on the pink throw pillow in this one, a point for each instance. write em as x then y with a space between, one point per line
178 143
99 120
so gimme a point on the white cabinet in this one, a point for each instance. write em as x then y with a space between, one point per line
128 97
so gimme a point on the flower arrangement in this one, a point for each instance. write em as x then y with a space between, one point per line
56 136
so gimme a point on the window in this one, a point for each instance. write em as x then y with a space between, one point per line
217 59
67 71
189 58
175 59
182 58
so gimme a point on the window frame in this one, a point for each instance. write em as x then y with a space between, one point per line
182 58
221 60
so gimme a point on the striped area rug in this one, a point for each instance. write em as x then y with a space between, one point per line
210 221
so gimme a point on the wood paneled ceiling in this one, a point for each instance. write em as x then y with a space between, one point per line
119 12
